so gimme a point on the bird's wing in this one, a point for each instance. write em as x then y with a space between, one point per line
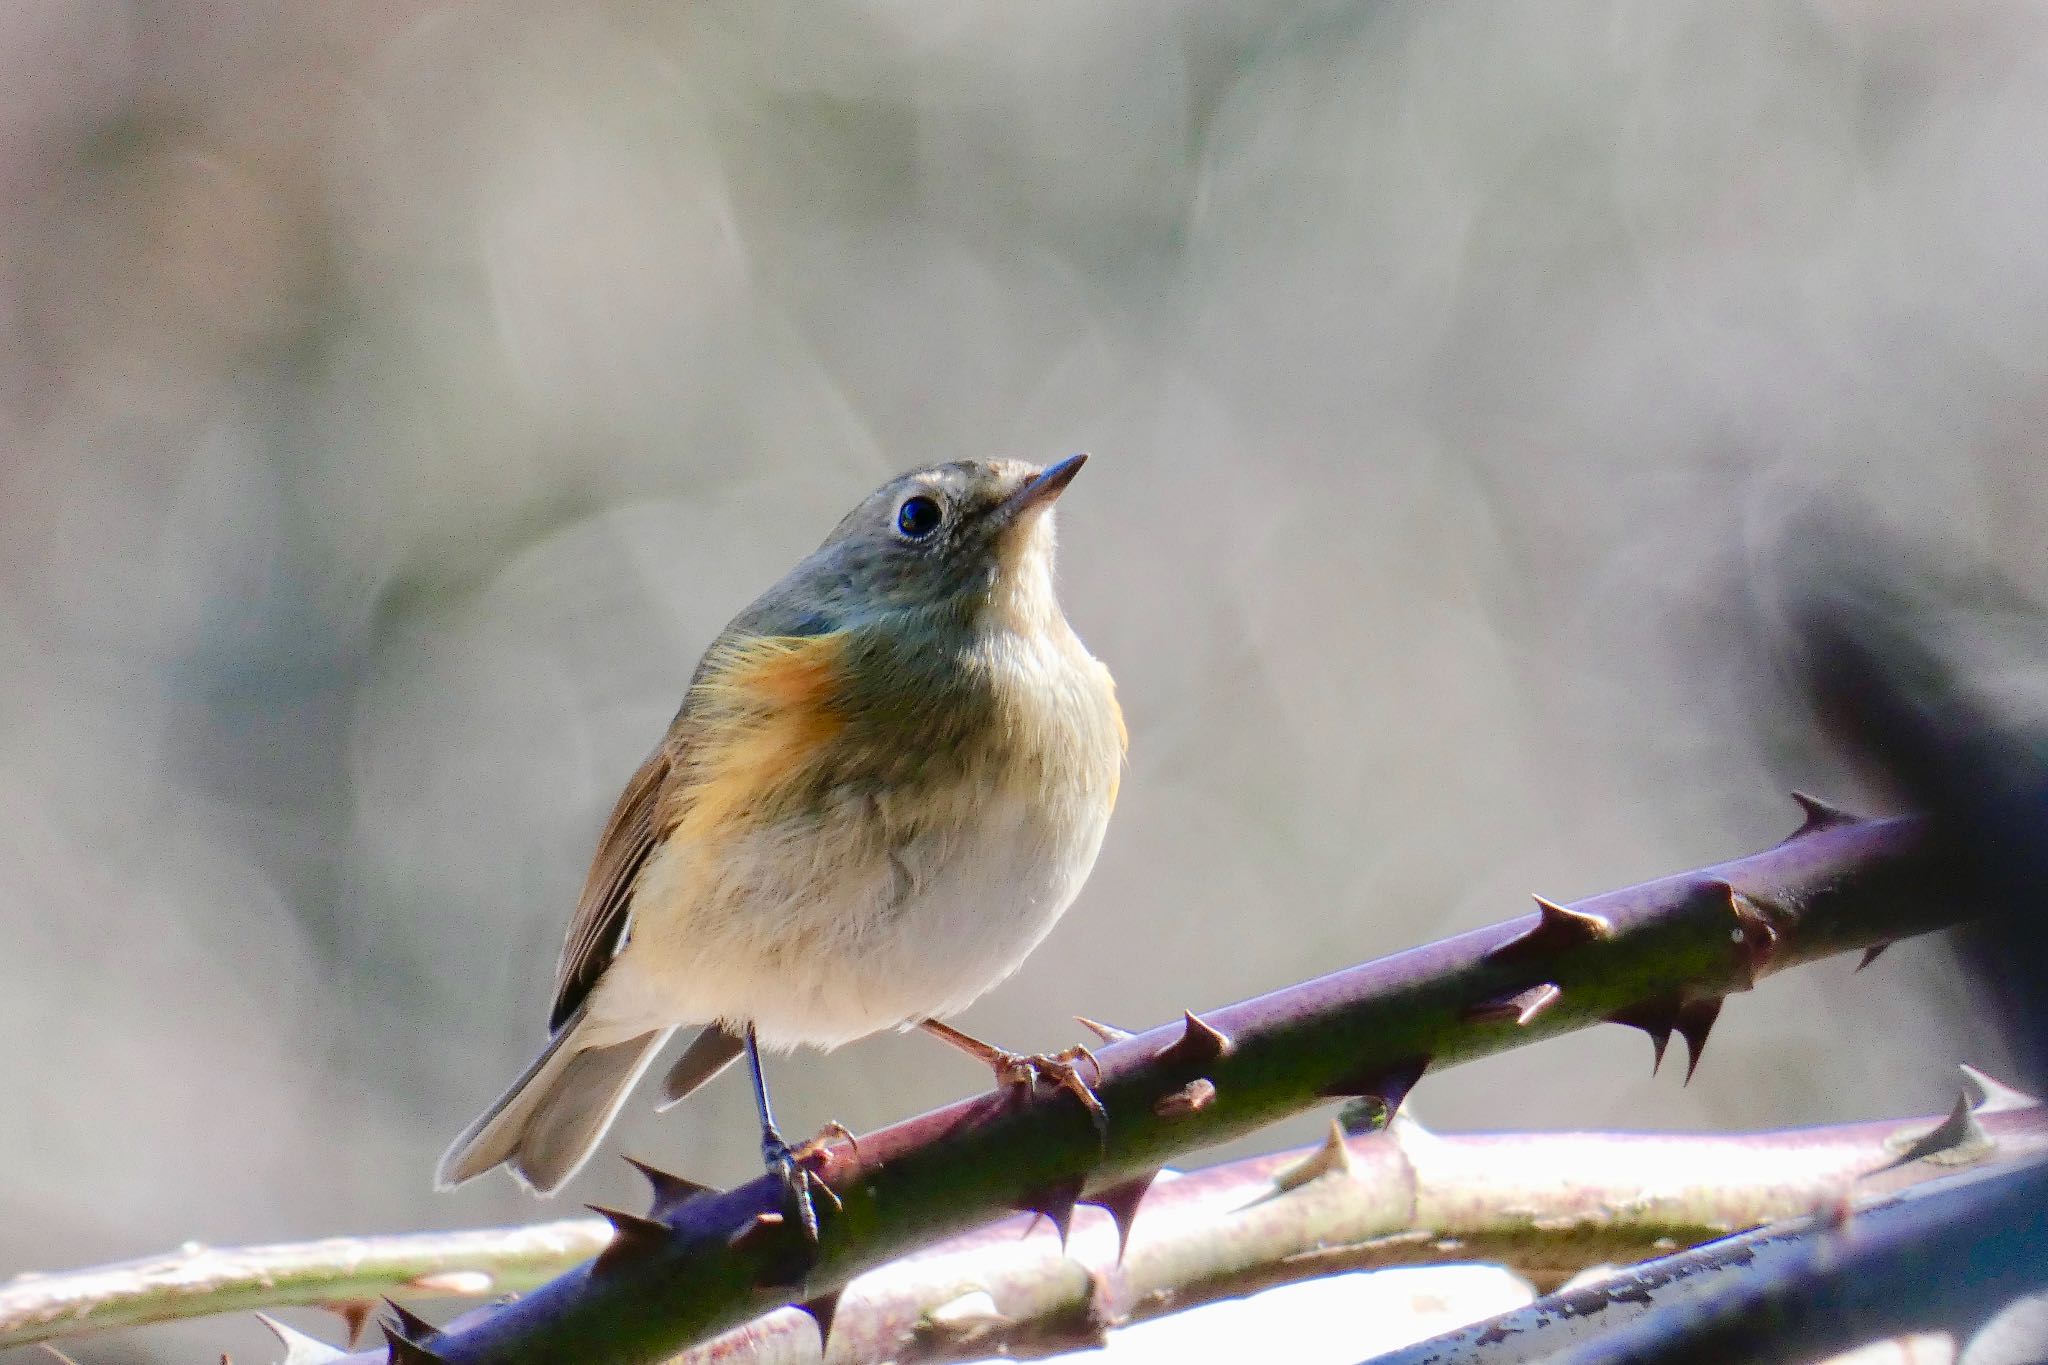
779 649
712 1052
594 934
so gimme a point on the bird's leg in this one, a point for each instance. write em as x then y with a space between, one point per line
790 1164
1061 1069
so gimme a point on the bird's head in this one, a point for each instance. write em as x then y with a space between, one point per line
962 540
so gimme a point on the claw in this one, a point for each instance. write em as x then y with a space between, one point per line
1062 1071
792 1165
815 1148
1026 1070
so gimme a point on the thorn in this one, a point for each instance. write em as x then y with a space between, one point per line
822 1309
1557 928
669 1189
1957 1140
403 1352
1399 1082
1995 1096
760 1227
1054 1203
1387 1084
411 1324
1654 1017
1521 1007
1108 1033
299 1349
1695 1021
1753 930
1192 1098
1333 1157
632 1237
354 1315
1536 1000
1121 1202
1871 954
1199 1044
1819 815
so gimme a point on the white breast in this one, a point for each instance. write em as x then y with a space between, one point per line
893 908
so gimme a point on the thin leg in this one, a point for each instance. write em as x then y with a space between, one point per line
769 1136
1026 1070
781 1159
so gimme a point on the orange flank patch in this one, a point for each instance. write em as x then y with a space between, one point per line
765 710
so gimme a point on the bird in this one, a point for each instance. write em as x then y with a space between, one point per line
888 779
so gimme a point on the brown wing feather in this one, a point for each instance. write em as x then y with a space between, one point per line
784 678
629 836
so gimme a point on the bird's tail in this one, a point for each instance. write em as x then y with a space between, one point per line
547 1124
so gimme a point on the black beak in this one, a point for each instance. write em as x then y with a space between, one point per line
1041 488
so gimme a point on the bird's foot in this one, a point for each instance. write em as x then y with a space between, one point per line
815 1148
1026 1069
1062 1071
795 1167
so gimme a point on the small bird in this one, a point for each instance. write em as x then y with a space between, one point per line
888 779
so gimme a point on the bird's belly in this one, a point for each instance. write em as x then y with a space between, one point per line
882 912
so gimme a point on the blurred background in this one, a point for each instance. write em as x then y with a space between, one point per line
396 397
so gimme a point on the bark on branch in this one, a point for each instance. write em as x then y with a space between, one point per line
1767 1261
1543 1204
1546 1205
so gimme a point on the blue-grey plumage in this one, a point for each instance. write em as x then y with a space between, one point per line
888 779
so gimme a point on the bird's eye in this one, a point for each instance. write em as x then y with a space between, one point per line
918 517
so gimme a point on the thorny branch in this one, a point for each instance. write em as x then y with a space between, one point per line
1660 956
1543 1204
348 1272
1948 1260
1591 1315
1888 671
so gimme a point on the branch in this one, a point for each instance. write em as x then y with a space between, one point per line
1543 1204
1982 1242
344 1271
1659 956
1768 1256
1902 677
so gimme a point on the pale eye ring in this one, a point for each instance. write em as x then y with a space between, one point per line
919 516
